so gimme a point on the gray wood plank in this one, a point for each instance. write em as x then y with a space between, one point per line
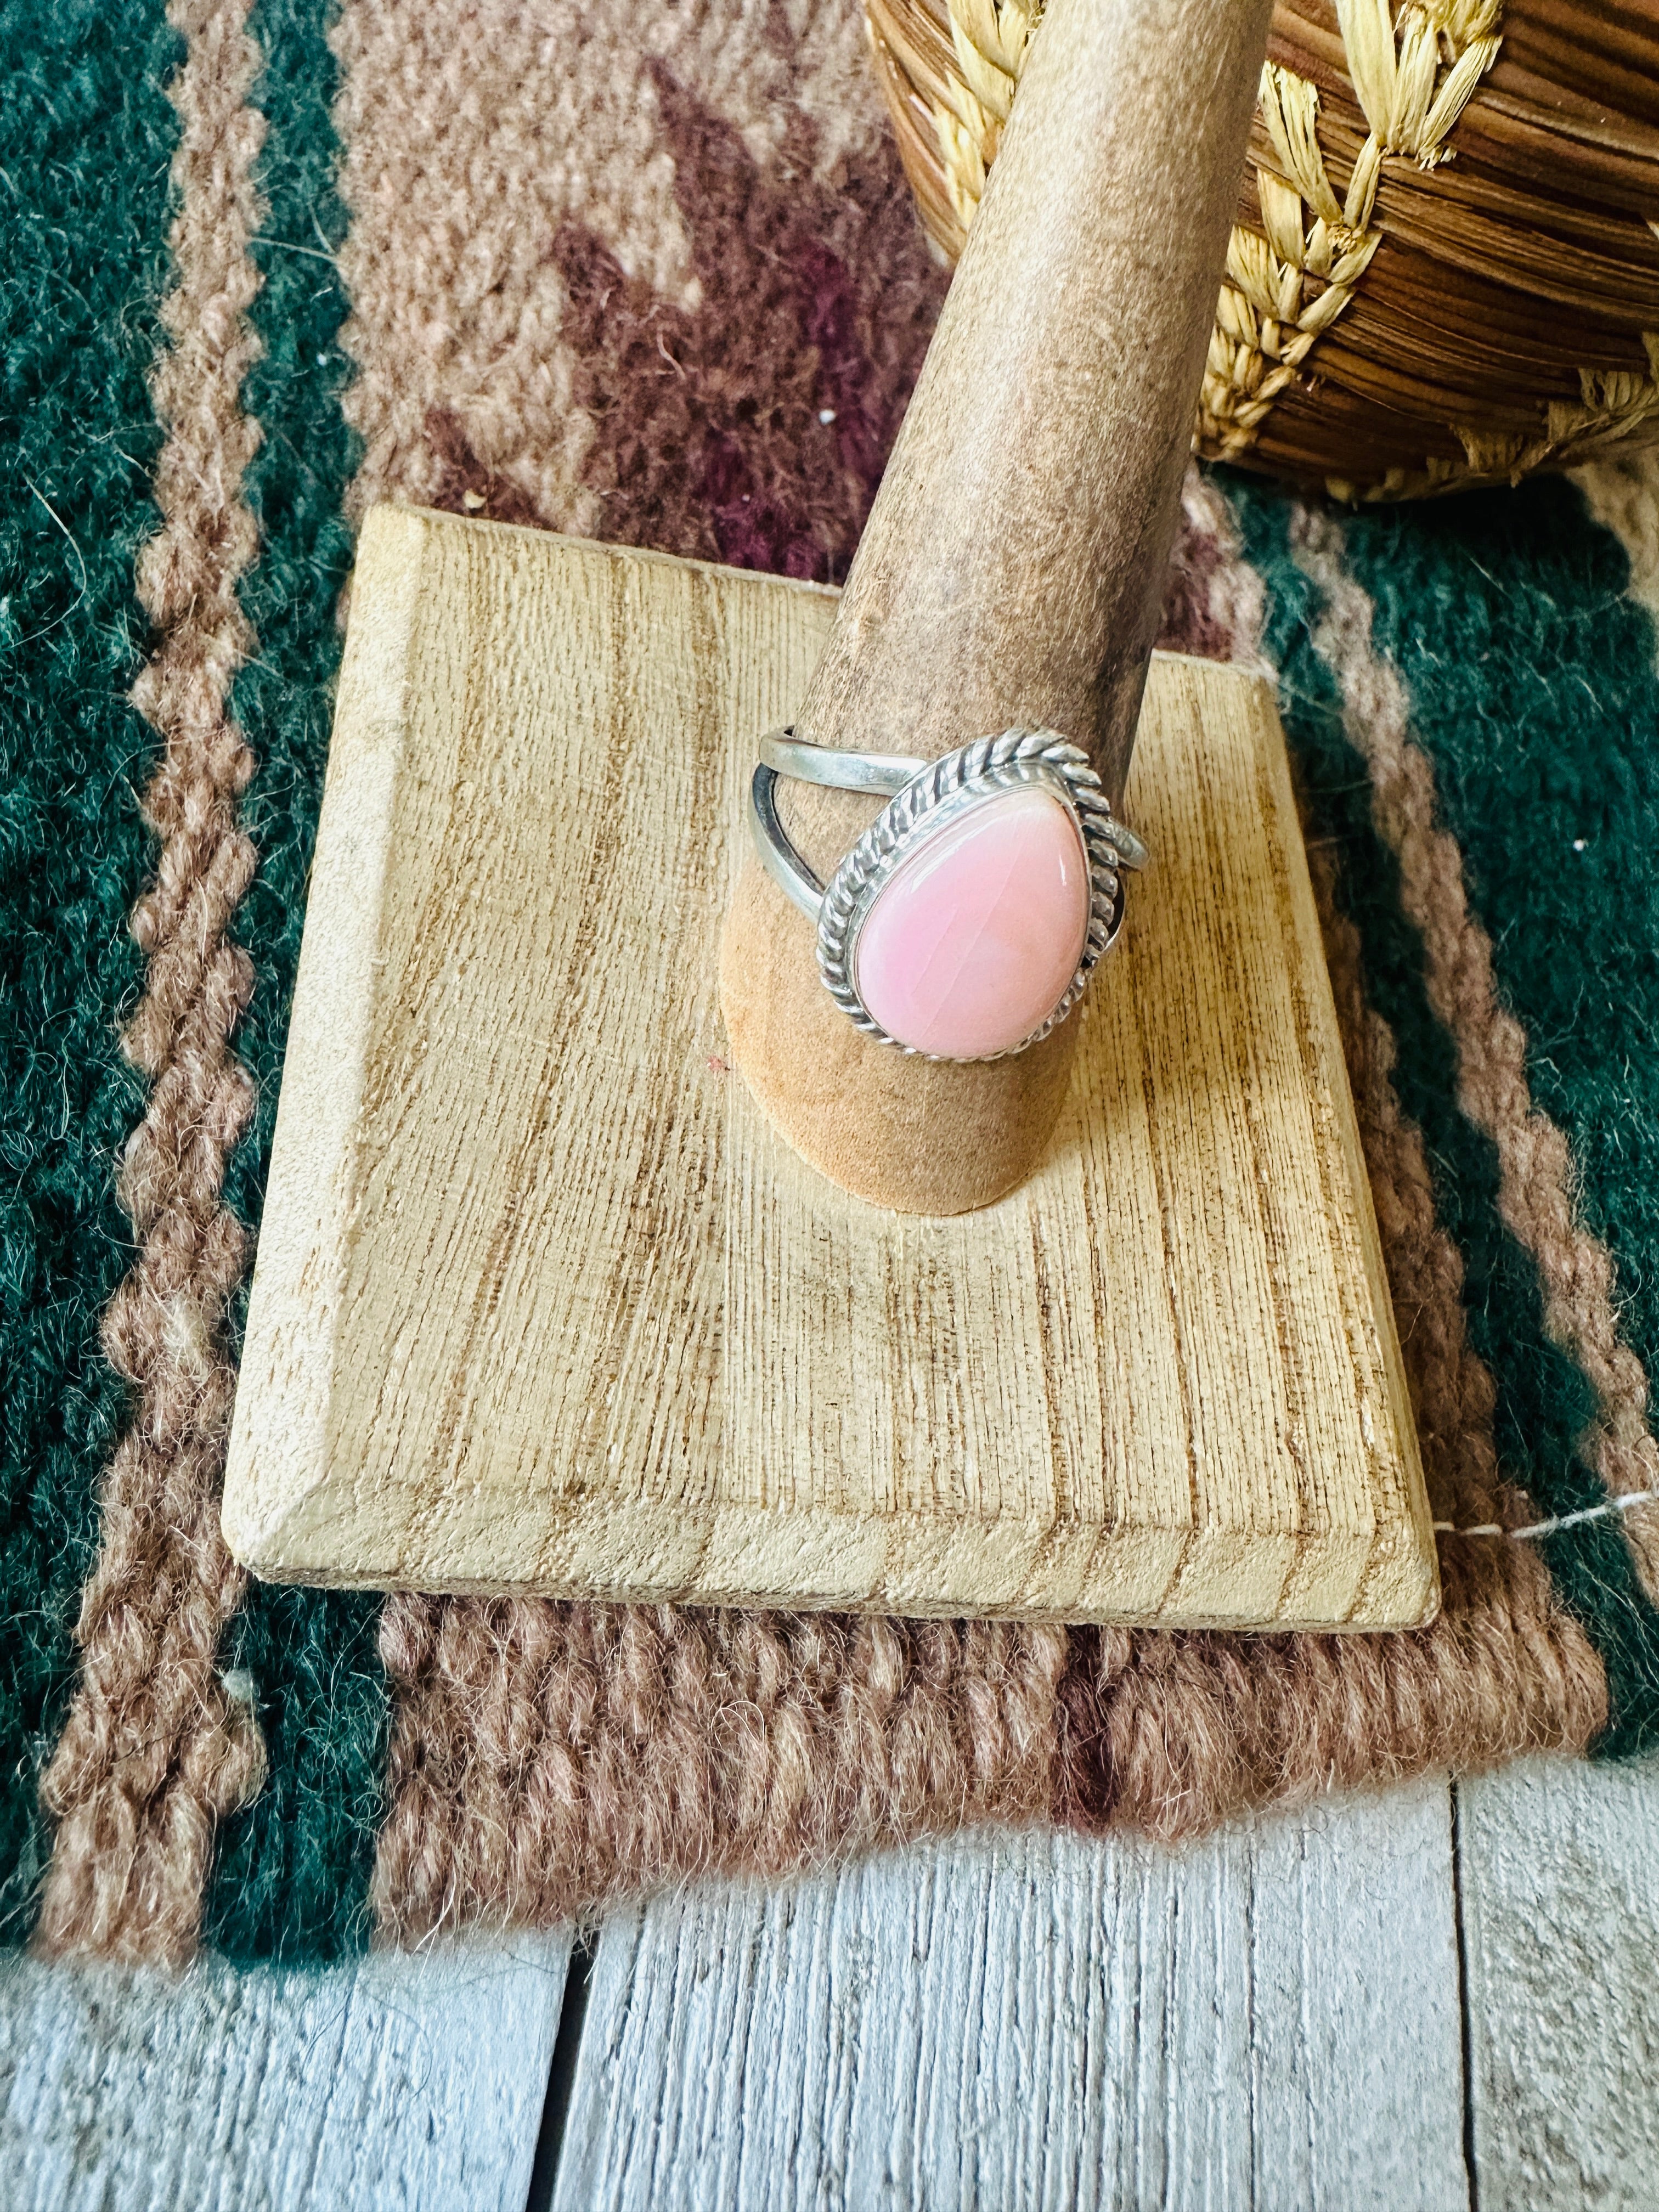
1268 2020
1560 1913
390 2081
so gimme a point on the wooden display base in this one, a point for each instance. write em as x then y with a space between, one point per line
541 1301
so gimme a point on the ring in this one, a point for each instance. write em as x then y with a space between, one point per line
967 919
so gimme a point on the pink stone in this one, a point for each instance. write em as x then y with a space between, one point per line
974 940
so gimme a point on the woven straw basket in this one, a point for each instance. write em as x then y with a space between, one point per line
1444 269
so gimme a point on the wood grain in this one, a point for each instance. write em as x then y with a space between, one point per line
1267 2021
1560 1931
1012 568
541 1302
389 2081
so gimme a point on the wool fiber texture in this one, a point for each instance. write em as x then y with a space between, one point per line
293 1868
650 274
155 1751
88 135
1504 621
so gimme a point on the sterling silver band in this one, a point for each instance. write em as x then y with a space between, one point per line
882 774
924 796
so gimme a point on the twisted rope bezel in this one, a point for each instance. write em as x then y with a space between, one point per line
943 789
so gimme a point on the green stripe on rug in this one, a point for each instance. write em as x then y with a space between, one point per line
292 1872
1534 693
86 136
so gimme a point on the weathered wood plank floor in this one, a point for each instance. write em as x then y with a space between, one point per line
392 2081
1437 1997
1039 2021
1559 1875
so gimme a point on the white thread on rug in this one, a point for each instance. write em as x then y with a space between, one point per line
1561 1520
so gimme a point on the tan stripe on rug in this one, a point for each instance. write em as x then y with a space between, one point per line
155 1752
547 1759
1536 1166
1623 495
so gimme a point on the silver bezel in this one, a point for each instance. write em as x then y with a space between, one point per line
943 791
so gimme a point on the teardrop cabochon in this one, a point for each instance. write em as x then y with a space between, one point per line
974 934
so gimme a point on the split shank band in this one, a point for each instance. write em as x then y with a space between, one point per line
965 923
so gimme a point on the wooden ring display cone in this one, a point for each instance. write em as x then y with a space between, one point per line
1012 568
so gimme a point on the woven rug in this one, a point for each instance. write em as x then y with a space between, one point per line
649 273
